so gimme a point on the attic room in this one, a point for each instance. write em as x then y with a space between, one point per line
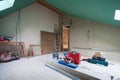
59 39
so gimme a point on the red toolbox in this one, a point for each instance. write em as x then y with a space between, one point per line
75 56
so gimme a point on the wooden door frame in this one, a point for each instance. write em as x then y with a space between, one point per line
62 37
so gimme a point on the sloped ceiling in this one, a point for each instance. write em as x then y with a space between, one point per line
19 4
96 10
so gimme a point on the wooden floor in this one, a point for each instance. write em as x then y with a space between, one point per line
32 68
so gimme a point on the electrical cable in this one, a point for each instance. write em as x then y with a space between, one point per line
18 32
88 36
18 28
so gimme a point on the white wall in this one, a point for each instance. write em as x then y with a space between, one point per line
90 34
34 18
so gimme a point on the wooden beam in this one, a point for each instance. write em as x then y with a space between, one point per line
43 2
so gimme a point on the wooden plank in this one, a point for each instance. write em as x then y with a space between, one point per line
47 42
13 46
72 72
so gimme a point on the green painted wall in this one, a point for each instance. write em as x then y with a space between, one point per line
95 10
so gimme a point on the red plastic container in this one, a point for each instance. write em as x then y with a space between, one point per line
75 56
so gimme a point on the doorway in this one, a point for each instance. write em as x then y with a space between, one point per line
65 38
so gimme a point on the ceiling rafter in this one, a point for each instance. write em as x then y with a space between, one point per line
43 2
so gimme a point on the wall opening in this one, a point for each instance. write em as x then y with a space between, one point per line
65 38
